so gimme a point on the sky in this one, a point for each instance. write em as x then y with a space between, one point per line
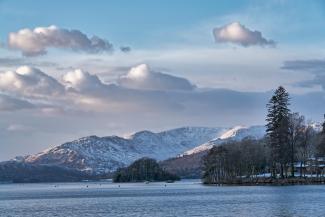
70 69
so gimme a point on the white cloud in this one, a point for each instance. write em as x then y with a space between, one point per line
82 81
139 90
239 34
142 77
29 81
36 42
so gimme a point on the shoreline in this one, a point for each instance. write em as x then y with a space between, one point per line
270 182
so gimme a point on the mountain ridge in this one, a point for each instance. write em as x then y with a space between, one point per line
100 155
105 154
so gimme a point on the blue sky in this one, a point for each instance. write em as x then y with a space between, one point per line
141 23
191 63
124 21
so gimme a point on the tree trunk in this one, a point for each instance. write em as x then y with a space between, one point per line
281 171
292 167
292 158
273 170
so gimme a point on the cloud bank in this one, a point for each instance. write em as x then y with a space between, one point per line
37 41
239 34
314 66
139 90
8 103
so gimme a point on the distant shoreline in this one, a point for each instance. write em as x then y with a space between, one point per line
243 182
270 181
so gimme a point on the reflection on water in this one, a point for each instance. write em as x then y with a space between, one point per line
186 198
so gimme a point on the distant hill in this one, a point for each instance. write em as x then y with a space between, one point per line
186 166
12 171
101 155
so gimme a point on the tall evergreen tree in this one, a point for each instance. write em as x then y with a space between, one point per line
277 129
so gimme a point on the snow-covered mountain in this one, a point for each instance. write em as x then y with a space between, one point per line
106 154
232 134
99 155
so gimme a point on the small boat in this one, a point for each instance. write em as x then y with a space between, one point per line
147 182
170 181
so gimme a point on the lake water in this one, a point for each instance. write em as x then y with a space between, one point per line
185 198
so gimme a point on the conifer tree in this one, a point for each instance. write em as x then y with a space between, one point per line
277 129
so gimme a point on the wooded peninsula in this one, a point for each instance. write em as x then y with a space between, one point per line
292 152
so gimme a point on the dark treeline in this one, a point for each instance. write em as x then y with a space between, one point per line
144 169
235 159
291 148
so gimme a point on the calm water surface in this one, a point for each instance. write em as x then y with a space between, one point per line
185 198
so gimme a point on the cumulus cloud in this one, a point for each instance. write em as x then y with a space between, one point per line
36 42
8 103
82 81
29 81
90 93
239 34
142 77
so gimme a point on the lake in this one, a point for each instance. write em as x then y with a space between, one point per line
185 198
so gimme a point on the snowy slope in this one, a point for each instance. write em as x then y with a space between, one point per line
232 134
106 154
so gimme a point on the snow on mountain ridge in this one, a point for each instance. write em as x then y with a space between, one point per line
105 154
236 133
231 133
